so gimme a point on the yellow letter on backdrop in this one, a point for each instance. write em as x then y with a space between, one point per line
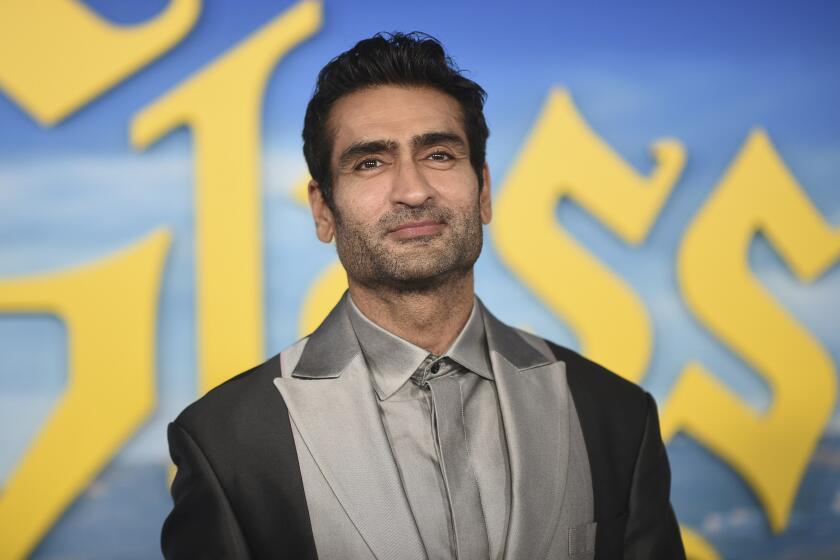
222 106
769 449
110 310
57 55
564 158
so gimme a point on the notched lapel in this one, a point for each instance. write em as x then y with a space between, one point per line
534 400
334 408
330 348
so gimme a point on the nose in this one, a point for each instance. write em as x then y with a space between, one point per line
410 186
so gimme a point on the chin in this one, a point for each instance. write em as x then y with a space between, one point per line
424 278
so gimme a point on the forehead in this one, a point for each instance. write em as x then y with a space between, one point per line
393 113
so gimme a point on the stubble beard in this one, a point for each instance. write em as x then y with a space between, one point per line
416 265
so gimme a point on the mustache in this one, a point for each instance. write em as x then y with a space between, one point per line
396 218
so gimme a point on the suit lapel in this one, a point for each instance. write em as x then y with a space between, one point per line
332 403
533 398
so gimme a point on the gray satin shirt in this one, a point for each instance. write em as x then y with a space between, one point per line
397 369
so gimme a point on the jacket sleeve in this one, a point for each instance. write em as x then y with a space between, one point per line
201 523
652 530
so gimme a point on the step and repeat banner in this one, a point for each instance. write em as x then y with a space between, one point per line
666 183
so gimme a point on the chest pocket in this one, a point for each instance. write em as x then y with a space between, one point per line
582 541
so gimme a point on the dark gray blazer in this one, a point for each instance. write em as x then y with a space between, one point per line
239 494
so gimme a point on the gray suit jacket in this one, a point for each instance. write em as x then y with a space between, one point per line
257 473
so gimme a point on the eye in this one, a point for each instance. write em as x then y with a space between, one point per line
369 163
440 156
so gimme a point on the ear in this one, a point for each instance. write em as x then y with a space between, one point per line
321 213
484 199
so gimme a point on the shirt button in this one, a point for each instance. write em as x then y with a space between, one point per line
435 367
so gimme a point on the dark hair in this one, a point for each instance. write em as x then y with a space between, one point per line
404 59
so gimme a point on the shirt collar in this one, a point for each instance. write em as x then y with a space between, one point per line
392 360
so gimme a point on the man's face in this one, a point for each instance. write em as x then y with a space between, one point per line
408 211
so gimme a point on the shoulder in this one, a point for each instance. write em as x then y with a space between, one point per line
607 403
589 380
239 435
614 413
591 383
236 396
242 425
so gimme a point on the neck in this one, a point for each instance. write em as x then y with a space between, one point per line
430 319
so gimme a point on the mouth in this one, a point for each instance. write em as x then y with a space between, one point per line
420 228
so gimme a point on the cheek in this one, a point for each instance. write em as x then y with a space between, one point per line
359 211
458 186
371 197
466 197
369 201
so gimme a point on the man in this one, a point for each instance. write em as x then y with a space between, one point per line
412 423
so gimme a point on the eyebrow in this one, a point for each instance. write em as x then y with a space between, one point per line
432 138
365 148
368 147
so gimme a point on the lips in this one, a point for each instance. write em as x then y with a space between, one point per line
419 228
